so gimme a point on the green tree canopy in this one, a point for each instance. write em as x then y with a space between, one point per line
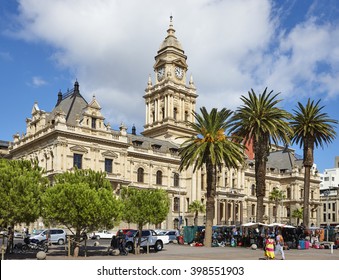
82 200
277 196
298 214
142 206
21 186
195 207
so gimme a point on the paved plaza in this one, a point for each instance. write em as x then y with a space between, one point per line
184 252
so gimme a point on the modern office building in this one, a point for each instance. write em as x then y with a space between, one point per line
329 195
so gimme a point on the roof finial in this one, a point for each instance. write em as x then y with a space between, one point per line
171 30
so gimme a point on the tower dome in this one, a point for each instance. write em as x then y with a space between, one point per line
171 40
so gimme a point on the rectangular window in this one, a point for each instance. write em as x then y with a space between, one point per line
329 206
324 217
94 123
77 161
108 165
324 207
333 207
333 217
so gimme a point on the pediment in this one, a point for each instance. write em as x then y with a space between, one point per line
159 63
94 104
110 154
180 62
78 148
35 109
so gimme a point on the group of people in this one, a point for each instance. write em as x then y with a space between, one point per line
118 242
274 245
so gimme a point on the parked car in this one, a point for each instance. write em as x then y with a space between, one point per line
18 234
54 235
171 235
101 234
148 237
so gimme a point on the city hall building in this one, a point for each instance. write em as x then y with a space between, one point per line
74 133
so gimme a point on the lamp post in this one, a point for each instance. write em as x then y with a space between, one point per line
179 223
327 193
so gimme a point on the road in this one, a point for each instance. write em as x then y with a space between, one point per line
177 252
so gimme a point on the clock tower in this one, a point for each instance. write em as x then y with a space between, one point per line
170 101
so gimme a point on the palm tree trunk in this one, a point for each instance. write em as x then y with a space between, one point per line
260 175
306 212
308 163
210 203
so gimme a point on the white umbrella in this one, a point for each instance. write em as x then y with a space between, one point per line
275 225
250 224
288 226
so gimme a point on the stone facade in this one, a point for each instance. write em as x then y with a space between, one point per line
75 133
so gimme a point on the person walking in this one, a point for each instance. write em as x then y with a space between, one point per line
269 247
279 248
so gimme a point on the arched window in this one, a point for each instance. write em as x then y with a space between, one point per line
253 190
140 178
159 178
175 112
176 204
186 116
253 209
288 193
176 180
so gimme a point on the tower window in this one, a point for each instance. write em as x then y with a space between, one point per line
153 116
163 112
175 113
186 116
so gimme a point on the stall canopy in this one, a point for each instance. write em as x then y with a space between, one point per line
251 224
280 225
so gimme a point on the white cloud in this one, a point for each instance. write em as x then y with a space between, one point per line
232 46
38 81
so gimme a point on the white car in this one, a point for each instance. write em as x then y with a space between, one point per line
101 234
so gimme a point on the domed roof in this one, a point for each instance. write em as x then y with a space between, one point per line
171 40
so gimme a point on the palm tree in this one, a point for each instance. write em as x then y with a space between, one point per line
210 148
195 207
311 128
297 213
260 121
277 196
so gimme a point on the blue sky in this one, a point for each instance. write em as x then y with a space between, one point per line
291 47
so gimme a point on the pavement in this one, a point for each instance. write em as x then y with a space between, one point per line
179 252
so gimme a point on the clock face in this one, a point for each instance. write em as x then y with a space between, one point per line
179 72
160 73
